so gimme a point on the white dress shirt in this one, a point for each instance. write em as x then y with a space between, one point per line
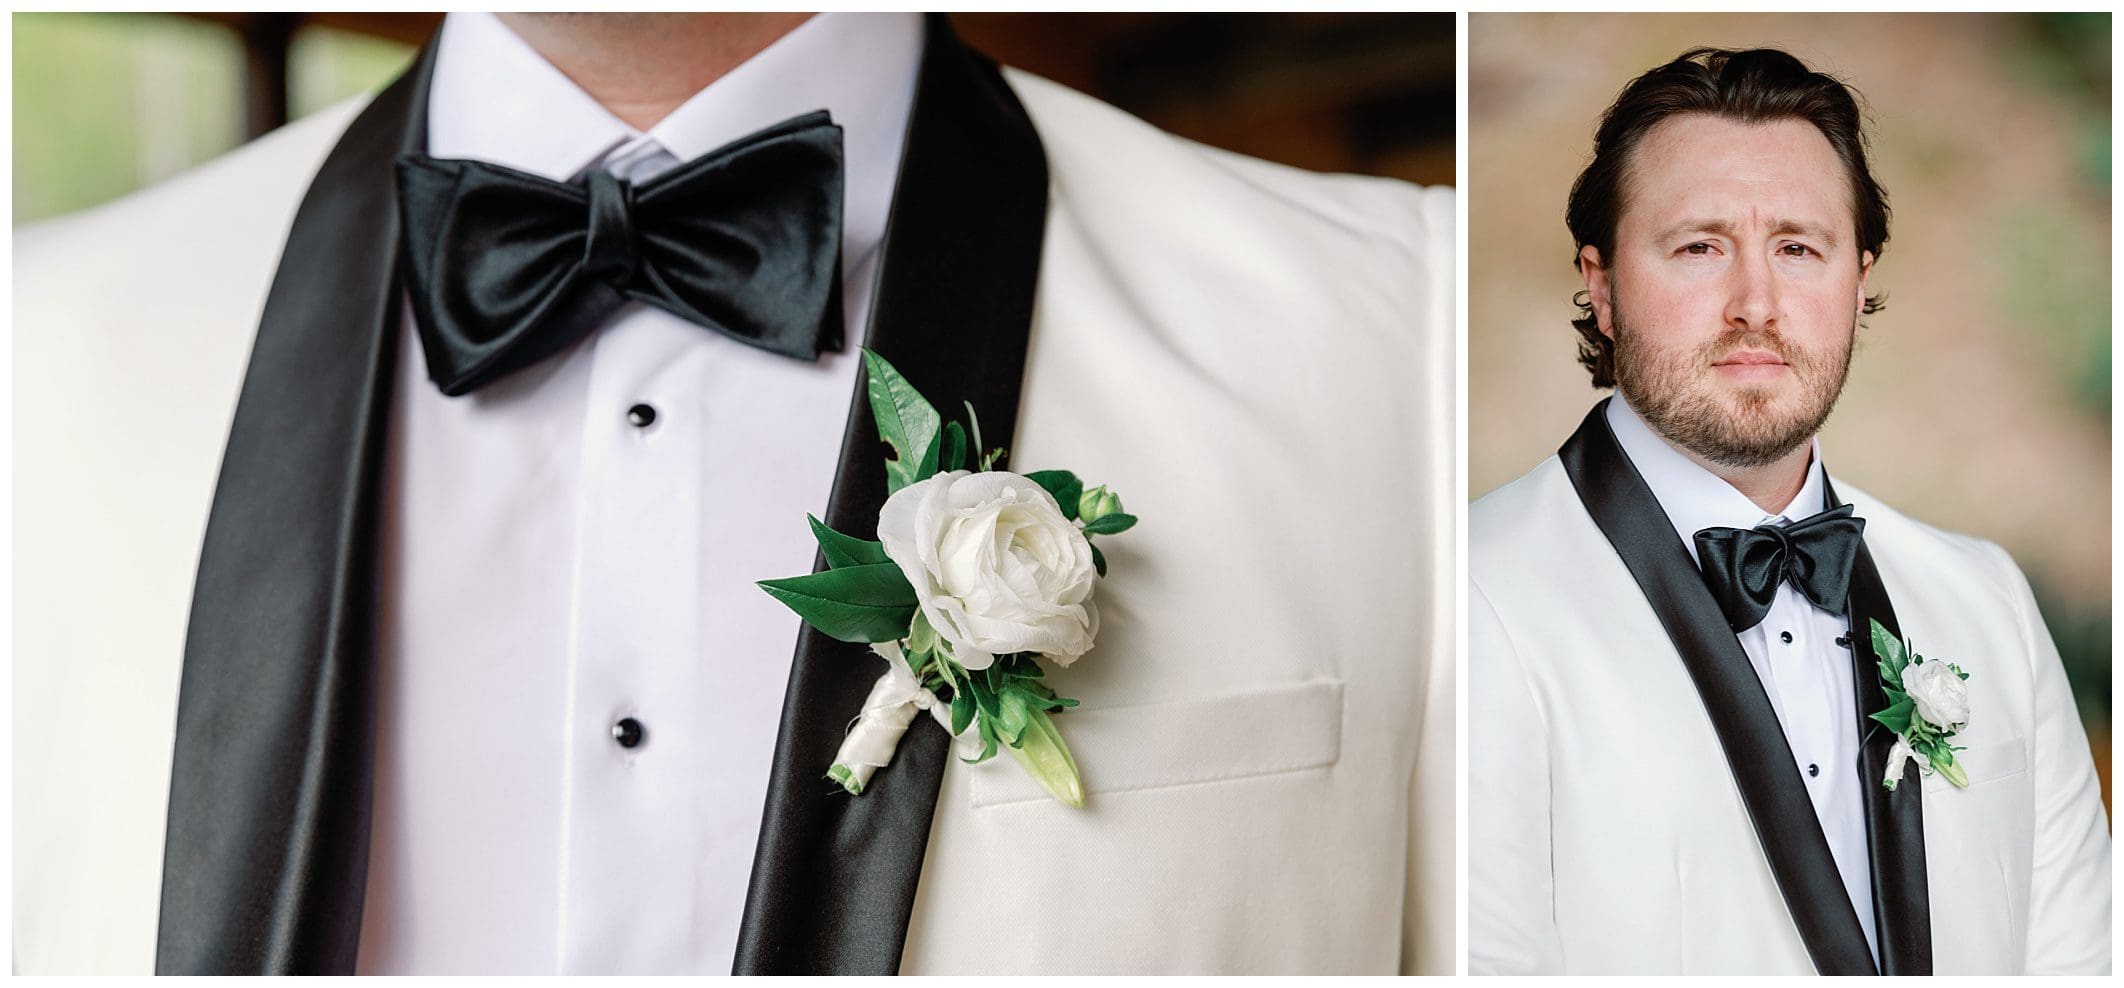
1794 649
554 560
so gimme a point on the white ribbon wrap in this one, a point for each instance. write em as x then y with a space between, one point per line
1897 756
887 712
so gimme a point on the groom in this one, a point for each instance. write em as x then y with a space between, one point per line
388 599
1672 766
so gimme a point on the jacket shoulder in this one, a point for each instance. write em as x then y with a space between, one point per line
1112 170
1516 530
1926 548
216 217
1912 547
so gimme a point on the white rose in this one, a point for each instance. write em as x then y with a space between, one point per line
996 567
1941 696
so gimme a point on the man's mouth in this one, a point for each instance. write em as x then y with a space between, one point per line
1751 364
1749 358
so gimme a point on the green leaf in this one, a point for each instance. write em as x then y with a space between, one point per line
1098 560
973 419
1898 716
1065 487
984 698
906 421
1110 524
954 457
921 638
1890 650
846 550
1010 724
1039 698
1027 669
871 603
962 713
988 742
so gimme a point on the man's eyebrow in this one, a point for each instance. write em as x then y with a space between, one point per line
1725 228
1803 228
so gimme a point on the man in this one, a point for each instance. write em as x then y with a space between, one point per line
1672 762
460 656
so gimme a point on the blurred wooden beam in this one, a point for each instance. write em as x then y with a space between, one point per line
266 38
1326 91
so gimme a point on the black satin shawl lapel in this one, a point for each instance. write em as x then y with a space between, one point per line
833 879
266 852
1747 726
1895 821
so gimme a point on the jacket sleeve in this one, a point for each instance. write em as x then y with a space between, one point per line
2068 896
1511 887
1427 908
1429 896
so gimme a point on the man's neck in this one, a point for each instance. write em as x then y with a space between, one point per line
642 66
1771 486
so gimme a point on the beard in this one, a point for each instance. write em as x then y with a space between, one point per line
1676 392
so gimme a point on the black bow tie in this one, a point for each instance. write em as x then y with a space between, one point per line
1743 566
506 268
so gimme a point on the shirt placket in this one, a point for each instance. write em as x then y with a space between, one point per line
629 876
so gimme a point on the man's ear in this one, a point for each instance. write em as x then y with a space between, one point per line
1597 293
1865 268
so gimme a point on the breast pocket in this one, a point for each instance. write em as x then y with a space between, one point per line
1984 763
1214 739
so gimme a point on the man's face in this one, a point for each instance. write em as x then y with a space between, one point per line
1734 294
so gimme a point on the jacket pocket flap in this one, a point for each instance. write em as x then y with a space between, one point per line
1985 762
1150 746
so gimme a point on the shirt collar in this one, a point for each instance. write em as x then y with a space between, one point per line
495 99
1695 498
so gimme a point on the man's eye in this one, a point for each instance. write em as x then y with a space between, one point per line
1795 250
1697 248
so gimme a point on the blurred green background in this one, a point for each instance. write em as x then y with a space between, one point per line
1979 400
109 103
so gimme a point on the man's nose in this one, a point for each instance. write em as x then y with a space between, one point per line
1752 295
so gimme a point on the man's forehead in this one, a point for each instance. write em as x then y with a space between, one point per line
1781 173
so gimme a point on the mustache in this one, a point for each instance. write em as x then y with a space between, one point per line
1752 339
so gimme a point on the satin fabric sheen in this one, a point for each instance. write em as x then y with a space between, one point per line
1806 674
267 844
1770 785
834 877
506 268
1743 566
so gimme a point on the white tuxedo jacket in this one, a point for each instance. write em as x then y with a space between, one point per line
1607 833
1259 357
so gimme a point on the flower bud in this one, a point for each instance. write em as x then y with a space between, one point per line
1097 503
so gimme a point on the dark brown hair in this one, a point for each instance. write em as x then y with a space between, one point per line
1754 86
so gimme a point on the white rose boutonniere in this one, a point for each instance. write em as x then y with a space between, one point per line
977 576
995 565
1928 702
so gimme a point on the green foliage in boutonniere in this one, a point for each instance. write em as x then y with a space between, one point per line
977 576
1928 703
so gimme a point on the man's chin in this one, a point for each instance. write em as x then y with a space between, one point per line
1733 427
1775 395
